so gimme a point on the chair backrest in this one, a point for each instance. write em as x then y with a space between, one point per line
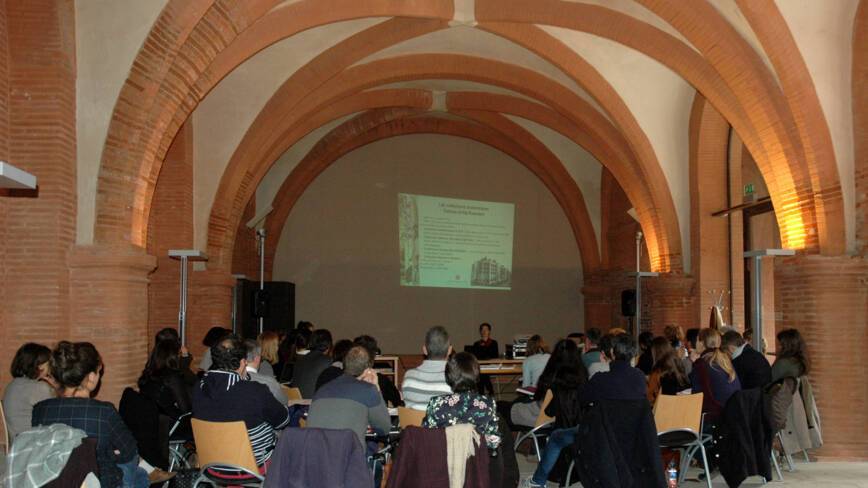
291 393
410 416
678 412
542 418
7 440
223 443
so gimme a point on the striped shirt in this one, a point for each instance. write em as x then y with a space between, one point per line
424 382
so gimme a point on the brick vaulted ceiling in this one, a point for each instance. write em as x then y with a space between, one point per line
566 87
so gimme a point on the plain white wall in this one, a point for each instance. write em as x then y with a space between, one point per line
340 247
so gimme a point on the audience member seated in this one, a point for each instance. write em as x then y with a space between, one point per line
223 396
352 401
751 367
565 407
535 362
254 361
713 374
646 359
578 338
311 365
429 379
298 347
591 354
339 350
465 405
622 381
163 383
692 336
212 337
268 342
668 376
390 392
77 369
31 383
792 356
565 353
185 359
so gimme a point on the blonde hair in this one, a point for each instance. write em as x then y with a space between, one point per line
712 340
268 342
616 331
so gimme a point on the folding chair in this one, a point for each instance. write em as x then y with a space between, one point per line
541 429
410 416
177 452
225 446
7 439
292 393
679 426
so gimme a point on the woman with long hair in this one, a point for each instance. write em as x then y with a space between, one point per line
31 383
163 382
77 368
792 356
713 374
667 376
269 342
565 353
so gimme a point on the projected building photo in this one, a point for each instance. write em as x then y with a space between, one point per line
488 272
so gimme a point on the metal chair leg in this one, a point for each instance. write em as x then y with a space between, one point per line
791 466
570 473
705 466
536 448
807 458
777 466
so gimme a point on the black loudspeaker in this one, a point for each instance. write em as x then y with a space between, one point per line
628 303
275 304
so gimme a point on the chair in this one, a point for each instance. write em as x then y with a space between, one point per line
291 393
679 426
225 446
7 440
177 456
541 429
410 416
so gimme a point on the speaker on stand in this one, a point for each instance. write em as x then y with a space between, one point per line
628 308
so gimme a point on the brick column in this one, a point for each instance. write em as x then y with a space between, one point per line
599 306
209 304
826 298
109 307
669 299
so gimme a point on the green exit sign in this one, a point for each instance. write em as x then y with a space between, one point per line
748 189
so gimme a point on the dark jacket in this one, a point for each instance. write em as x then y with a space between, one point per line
114 442
170 392
621 382
329 457
222 396
617 446
746 439
714 385
752 368
489 350
420 460
148 426
306 371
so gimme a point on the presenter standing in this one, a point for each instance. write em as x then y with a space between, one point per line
485 348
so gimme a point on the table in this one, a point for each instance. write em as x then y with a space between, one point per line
508 369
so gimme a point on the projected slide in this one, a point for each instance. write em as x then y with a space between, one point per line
446 242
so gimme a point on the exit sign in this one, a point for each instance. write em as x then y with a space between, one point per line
748 189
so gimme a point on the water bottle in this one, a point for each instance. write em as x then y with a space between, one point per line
672 476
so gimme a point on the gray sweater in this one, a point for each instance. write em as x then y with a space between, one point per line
18 401
348 403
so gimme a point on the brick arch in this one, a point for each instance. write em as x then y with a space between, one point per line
383 124
656 212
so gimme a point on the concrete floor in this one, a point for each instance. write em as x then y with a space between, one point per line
806 475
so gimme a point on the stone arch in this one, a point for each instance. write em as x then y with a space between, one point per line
382 124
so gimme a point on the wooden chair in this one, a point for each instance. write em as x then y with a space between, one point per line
291 393
7 440
225 446
679 426
541 429
410 416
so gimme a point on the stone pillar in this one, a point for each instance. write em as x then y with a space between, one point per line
209 304
108 296
826 299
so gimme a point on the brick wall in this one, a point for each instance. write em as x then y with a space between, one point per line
860 123
826 298
170 226
37 134
245 257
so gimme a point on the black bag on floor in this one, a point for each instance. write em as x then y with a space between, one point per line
184 478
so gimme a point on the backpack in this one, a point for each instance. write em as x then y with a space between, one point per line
777 399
